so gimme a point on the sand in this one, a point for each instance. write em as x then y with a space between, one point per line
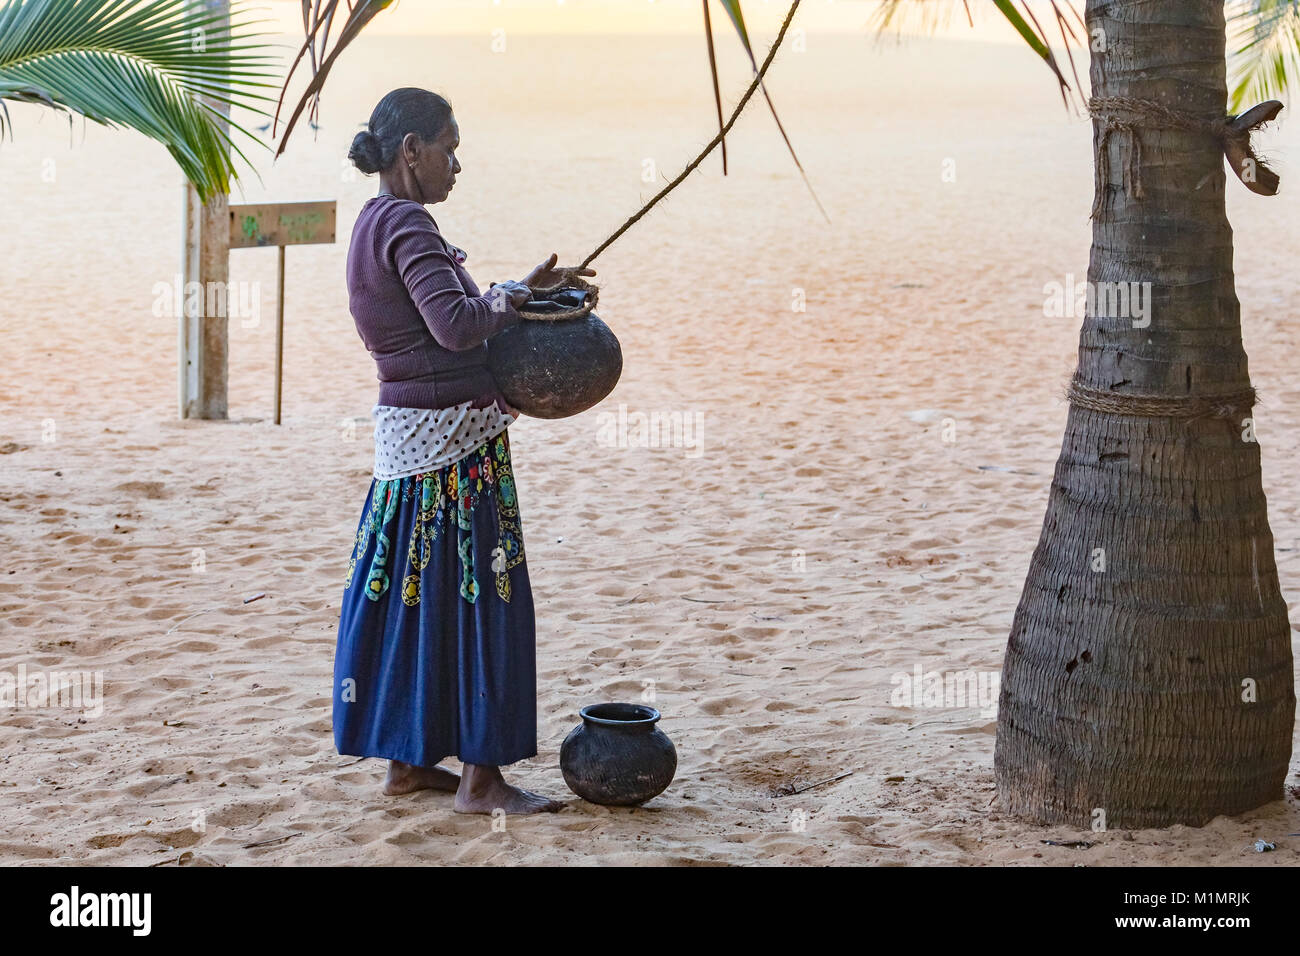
763 585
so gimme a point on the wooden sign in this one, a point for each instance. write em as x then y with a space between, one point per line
282 223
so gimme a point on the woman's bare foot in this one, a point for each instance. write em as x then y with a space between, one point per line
407 778
483 790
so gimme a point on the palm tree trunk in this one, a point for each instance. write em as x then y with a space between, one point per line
1148 674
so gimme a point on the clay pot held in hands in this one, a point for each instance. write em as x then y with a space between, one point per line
555 369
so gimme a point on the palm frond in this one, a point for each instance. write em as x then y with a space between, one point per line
929 16
317 22
1263 50
155 66
713 71
318 18
738 20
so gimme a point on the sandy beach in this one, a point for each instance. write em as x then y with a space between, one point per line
854 495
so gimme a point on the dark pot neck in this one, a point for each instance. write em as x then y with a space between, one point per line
621 727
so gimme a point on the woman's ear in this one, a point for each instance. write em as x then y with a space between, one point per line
411 149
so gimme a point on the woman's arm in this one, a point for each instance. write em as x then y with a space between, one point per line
457 321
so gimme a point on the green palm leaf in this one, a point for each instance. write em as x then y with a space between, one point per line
155 66
1264 50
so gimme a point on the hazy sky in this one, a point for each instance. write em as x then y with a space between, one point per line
763 17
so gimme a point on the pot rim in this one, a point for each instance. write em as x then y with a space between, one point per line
648 715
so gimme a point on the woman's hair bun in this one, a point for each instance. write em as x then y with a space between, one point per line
365 152
403 111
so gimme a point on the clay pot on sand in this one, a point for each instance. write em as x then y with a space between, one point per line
617 757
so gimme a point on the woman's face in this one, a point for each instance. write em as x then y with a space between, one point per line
436 164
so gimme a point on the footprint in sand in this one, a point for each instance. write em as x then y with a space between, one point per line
143 489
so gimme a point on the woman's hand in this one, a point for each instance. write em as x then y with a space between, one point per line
547 275
517 291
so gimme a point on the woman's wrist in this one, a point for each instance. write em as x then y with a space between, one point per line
508 296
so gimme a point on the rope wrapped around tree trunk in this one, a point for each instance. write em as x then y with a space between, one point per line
1226 405
1126 114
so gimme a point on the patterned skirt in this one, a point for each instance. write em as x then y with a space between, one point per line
436 645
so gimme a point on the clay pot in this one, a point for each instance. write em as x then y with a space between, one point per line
617 757
555 369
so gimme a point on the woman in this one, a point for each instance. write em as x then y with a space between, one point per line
436 646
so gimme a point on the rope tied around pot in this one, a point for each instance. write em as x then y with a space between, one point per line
1226 405
1127 115
569 281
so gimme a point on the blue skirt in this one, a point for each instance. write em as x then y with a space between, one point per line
436 646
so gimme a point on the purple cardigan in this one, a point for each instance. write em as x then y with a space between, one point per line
418 311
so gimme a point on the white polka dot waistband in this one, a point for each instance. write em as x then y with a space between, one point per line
409 441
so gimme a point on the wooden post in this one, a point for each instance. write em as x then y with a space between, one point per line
202 338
